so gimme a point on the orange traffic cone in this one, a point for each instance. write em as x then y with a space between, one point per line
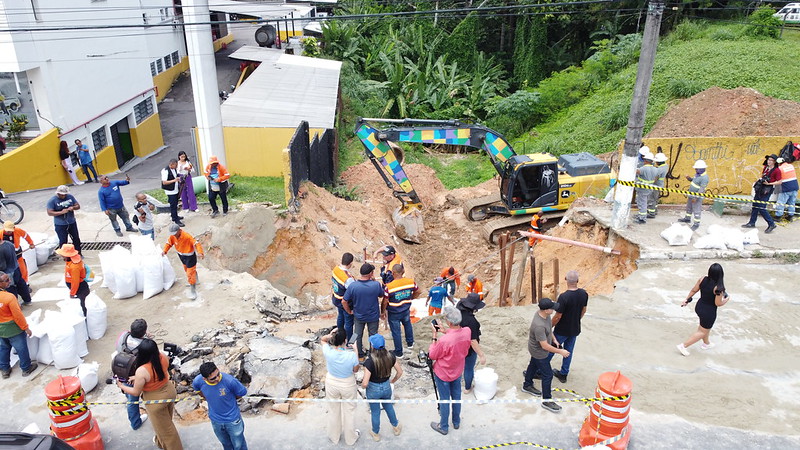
608 422
70 422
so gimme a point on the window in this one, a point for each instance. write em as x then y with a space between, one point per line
159 65
143 110
153 69
99 139
168 61
176 59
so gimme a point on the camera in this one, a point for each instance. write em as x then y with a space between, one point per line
423 358
172 351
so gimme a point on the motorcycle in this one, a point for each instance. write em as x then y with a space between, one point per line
10 209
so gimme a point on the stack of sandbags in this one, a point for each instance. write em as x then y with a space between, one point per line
677 234
142 269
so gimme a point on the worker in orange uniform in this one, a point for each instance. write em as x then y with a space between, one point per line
452 280
188 249
390 259
13 331
474 285
536 228
14 234
217 176
75 274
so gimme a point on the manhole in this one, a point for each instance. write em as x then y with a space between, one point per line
102 246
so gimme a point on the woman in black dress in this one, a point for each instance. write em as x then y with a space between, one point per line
712 296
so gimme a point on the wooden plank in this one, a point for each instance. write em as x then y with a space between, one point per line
555 279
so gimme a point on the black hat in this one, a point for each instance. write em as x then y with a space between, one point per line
367 269
472 301
389 250
547 303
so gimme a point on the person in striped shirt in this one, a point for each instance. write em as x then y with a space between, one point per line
397 298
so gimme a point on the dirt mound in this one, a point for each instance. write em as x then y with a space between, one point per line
729 112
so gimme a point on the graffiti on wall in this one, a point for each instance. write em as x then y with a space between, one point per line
734 164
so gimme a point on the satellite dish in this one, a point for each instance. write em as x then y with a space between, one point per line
266 35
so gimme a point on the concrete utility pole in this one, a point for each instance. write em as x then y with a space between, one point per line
641 92
204 80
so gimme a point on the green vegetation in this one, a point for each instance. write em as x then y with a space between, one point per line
245 190
455 171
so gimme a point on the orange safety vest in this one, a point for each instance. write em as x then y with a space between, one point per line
787 172
535 229
74 273
339 277
447 277
185 245
18 234
475 287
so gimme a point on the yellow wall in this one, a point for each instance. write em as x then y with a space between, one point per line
223 40
734 164
34 165
164 81
258 151
147 138
105 161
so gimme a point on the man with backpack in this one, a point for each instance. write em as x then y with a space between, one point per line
127 344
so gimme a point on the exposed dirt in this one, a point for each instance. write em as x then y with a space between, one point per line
729 112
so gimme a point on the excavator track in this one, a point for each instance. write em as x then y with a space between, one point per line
492 229
474 210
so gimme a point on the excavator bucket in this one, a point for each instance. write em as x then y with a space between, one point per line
408 224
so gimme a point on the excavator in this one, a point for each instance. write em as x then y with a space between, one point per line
528 183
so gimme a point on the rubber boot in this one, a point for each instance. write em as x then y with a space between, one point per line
193 292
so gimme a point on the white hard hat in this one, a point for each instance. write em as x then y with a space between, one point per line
644 150
648 156
700 164
660 157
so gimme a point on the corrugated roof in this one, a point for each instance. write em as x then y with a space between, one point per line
259 10
283 91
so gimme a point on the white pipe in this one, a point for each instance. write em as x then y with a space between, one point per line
545 237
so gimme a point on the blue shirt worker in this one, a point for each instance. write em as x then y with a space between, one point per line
61 208
694 204
85 159
436 296
397 297
111 203
221 392
364 297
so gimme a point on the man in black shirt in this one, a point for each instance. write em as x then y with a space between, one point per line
567 320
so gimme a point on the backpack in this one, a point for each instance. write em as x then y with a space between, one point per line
89 273
790 152
123 366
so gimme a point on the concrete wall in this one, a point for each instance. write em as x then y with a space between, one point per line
105 161
35 165
734 164
224 40
258 151
147 137
164 81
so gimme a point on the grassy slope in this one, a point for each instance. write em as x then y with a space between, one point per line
245 190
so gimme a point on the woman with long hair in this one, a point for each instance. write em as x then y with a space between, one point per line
66 163
712 296
340 383
377 371
152 382
185 167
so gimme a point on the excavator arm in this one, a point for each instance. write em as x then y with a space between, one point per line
408 217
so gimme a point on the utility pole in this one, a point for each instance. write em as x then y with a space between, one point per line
204 80
641 93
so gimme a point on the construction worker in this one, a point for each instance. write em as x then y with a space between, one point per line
694 204
452 280
646 175
536 228
474 285
341 278
660 163
436 297
788 194
390 259
396 305
75 274
642 151
188 249
13 234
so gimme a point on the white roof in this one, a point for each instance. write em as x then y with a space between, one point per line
283 91
259 10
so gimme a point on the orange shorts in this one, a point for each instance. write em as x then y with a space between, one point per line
432 311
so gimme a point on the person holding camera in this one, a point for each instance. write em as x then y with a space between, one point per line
541 346
340 383
762 190
449 355
129 342
377 372
712 296
144 214
152 381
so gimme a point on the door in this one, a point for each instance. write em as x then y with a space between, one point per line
121 138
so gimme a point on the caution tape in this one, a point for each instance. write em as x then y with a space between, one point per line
697 194
533 444
409 401
81 408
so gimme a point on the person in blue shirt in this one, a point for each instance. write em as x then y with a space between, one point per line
85 159
221 391
364 296
436 297
61 207
111 202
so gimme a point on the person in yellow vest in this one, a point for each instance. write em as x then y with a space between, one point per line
645 175
396 305
340 279
390 259
75 274
660 163
788 194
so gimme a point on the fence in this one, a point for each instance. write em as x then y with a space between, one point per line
312 159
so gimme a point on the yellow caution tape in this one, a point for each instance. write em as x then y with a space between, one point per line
71 412
533 444
696 194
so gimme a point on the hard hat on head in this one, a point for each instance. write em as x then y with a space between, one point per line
660 157
213 160
700 164
8 225
647 156
644 150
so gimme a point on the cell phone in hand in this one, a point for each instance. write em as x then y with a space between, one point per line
435 324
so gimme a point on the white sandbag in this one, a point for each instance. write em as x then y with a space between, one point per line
751 237
733 237
29 256
677 234
710 241
43 253
62 339
96 316
139 272
33 340
45 353
168 273
87 373
485 384
72 313
106 265
153 275
38 327
124 274
142 245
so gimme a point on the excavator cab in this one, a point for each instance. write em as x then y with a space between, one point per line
529 183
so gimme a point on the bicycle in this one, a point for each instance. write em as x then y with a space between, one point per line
10 209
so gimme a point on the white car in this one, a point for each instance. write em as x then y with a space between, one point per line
789 13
